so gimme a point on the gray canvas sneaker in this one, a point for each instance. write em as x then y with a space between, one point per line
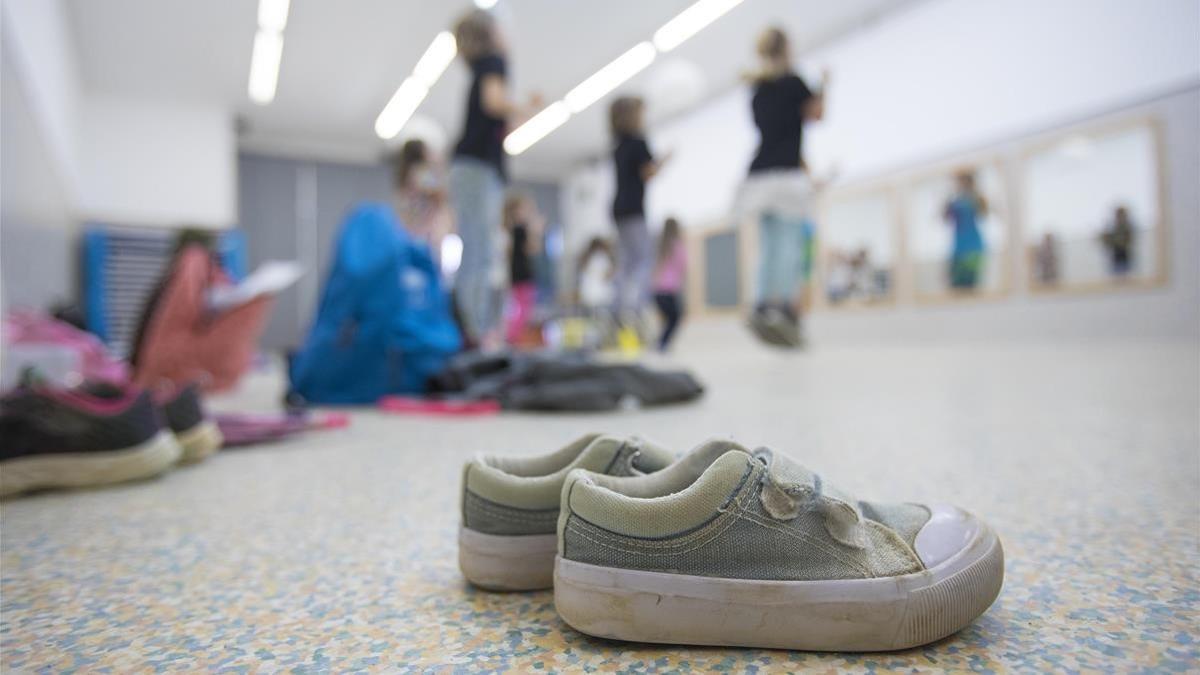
510 506
739 548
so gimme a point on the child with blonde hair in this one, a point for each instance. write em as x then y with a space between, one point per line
478 172
778 191
635 166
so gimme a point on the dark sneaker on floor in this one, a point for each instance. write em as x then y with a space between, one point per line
198 436
510 507
64 439
183 413
737 548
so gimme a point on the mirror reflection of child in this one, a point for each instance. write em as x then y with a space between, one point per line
1045 260
963 212
1117 239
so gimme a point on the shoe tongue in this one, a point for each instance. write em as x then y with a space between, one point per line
709 451
651 456
787 474
611 455
702 458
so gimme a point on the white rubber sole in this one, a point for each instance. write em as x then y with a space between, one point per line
507 563
89 469
853 615
200 442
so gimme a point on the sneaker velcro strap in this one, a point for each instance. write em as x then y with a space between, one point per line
789 489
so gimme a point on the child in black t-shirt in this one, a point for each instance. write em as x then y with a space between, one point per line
635 165
778 191
478 172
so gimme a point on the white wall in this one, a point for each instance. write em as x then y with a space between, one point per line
38 45
36 223
158 163
942 77
125 160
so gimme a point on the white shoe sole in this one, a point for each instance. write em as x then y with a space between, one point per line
853 615
78 470
507 563
199 442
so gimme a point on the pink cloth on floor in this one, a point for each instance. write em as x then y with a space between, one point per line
184 341
670 272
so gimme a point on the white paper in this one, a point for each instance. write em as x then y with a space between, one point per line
270 278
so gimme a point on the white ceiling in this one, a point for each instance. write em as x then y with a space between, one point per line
343 60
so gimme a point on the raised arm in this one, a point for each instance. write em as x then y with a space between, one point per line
814 107
496 101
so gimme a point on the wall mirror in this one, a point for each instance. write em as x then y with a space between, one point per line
958 233
1092 210
715 268
860 249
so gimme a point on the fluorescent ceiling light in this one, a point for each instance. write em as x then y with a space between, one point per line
273 14
610 77
414 89
436 59
485 4
264 66
691 21
400 108
536 128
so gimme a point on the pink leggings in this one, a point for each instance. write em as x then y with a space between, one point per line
524 298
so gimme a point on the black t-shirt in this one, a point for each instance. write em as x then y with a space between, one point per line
630 155
483 135
778 106
520 267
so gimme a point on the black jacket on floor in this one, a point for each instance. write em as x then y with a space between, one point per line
562 382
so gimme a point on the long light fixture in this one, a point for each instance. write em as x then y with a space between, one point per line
273 15
415 88
268 50
610 77
436 59
691 21
400 108
538 127
673 33
264 66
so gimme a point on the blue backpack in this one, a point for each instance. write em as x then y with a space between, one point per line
384 325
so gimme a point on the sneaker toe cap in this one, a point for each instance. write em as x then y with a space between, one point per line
948 531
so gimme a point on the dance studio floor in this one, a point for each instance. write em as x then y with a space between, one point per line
337 552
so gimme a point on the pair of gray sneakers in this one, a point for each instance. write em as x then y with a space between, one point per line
724 546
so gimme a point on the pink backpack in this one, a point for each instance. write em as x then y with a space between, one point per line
183 341
29 327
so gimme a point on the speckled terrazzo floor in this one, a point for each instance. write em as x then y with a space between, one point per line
337 553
